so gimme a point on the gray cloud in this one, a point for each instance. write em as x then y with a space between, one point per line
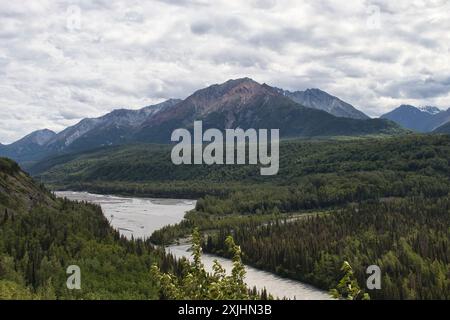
201 27
417 88
240 58
64 60
185 3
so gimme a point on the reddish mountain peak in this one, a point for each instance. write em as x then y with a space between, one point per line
233 93
228 98
246 87
216 91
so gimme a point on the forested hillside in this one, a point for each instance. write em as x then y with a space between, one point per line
40 236
368 201
310 172
408 239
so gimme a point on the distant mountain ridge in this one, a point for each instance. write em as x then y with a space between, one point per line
443 129
321 100
245 103
423 119
112 128
30 147
236 103
430 109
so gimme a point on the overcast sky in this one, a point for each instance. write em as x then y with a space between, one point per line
61 61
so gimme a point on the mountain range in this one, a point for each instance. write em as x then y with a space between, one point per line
29 148
320 100
242 103
110 129
422 119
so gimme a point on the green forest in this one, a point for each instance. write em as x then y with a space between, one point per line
382 201
408 239
326 172
394 214
41 236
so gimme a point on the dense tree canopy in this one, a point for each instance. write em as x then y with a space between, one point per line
365 201
408 239
40 236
